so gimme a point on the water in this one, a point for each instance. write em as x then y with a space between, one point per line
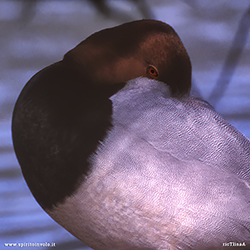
35 36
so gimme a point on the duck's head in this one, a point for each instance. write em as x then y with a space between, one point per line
147 48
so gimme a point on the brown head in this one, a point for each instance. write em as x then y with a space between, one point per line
146 48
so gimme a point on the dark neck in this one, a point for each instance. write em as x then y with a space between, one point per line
58 122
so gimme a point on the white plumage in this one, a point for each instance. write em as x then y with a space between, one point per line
171 174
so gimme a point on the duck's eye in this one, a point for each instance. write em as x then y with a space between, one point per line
152 71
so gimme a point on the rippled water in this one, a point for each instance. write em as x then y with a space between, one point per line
32 37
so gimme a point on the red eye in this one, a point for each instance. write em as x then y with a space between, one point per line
152 71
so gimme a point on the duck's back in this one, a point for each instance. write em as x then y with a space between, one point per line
171 174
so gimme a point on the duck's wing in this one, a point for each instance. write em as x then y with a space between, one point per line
189 161
188 128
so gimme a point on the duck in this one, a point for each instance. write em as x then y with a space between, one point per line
114 146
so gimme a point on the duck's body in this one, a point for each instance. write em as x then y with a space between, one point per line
162 153
135 164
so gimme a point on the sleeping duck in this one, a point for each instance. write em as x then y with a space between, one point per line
116 150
